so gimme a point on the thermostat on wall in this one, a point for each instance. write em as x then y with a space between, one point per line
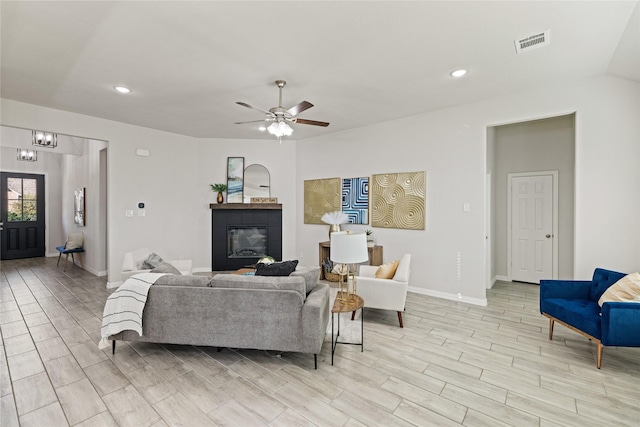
140 205
142 152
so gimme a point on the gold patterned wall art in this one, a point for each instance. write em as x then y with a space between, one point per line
320 196
398 200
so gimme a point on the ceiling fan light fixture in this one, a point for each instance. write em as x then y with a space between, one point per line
280 128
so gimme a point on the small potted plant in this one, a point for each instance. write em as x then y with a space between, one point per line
219 188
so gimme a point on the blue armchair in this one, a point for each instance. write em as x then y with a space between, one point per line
574 304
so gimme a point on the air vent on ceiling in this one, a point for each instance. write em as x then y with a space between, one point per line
533 41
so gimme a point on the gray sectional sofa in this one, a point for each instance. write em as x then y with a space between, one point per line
251 312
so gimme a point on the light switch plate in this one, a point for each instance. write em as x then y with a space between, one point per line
128 212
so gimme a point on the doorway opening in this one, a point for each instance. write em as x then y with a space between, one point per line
526 149
76 163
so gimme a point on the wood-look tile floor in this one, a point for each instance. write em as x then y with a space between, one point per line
452 364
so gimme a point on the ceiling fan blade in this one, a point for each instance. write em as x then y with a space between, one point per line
297 109
310 122
250 121
244 104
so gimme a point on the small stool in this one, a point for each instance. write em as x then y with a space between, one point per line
62 250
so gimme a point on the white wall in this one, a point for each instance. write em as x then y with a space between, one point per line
451 144
49 165
84 171
278 158
173 182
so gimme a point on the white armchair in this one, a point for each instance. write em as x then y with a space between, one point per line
132 263
386 294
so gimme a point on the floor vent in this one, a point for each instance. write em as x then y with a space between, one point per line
533 41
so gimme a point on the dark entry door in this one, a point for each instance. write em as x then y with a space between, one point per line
22 234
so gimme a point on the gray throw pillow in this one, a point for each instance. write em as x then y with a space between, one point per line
175 280
165 267
152 261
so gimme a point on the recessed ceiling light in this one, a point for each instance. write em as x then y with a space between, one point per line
458 73
122 89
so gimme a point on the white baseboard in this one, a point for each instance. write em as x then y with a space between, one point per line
449 296
99 273
113 284
496 278
201 270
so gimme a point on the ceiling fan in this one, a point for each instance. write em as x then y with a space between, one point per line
279 117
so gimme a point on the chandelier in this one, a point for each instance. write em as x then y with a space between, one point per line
44 139
27 155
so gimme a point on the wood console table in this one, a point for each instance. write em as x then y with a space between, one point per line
324 249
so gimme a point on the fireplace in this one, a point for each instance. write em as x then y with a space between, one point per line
243 233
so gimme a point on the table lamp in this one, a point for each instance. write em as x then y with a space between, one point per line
349 249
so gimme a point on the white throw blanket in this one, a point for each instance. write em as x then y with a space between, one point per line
123 309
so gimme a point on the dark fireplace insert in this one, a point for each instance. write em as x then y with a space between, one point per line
241 234
246 241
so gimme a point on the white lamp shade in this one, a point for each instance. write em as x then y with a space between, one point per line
348 248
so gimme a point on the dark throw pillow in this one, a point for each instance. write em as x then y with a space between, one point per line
165 267
283 268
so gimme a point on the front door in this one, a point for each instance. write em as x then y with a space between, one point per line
22 228
532 228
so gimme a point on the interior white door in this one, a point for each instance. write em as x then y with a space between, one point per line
532 228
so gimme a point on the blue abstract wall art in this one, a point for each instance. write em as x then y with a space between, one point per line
355 199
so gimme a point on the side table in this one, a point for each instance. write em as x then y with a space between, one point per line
347 307
324 251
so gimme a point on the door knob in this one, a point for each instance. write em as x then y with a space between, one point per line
548 236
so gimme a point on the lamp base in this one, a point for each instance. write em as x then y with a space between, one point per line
347 287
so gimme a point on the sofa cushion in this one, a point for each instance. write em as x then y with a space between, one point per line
165 267
581 314
602 279
290 283
311 276
152 261
626 289
283 268
180 280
